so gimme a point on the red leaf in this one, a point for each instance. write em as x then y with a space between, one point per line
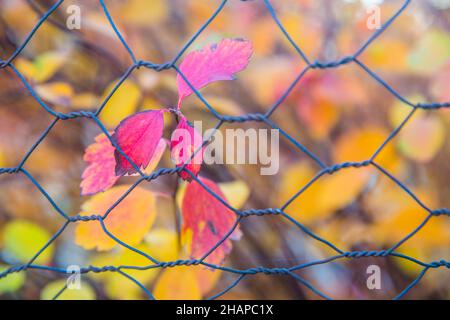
184 142
138 136
213 63
100 174
206 221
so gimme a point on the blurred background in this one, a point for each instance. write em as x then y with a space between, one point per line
340 115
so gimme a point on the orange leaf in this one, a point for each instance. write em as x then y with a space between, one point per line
320 115
326 195
207 278
177 284
129 221
360 144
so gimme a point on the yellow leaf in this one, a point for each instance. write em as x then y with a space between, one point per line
162 244
293 179
43 67
361 143
180 193
395 215
59 93
3 158
85 292
388 54
236 192
23 239
85 100
336 196
116 285
26 68
12 282
412 269
305 207
422 138
123 103
324 196
399 110
129 221
434 233
178 283
207 278
398 215
331 193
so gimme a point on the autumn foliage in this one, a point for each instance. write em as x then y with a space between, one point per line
362 162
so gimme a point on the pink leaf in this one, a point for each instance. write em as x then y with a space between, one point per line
157 155
184 142
213 63
138 137
100 174
206 221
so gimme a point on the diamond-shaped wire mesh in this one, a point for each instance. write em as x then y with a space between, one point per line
221 119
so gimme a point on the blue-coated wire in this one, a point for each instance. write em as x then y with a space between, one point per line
101 217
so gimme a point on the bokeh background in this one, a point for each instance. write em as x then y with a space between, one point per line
339 114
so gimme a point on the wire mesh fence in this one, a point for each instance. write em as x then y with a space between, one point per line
265 118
